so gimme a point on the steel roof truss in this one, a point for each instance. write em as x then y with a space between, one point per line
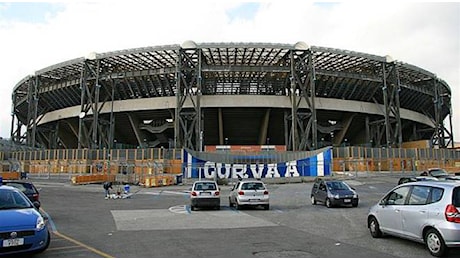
363 89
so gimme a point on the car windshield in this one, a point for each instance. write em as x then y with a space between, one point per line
24 187
252 186
438 173
205 186
10 199
337 185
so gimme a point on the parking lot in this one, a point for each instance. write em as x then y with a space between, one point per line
158 222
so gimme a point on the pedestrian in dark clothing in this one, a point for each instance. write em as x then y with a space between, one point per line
107 185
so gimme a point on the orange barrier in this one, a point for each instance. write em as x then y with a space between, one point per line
173 166
10 175
56 166
149 166
158 181
93 178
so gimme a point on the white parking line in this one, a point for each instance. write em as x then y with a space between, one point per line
151 193
175 192
165 192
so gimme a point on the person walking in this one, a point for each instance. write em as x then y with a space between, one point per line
107 186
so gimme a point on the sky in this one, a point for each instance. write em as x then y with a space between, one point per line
35 35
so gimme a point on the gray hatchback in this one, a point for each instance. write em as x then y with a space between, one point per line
333 193
425 212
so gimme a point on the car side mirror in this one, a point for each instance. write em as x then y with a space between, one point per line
383 202
390 202
36 204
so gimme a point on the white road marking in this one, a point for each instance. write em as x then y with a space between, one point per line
165 219
175 192
150 193
181 209
164 192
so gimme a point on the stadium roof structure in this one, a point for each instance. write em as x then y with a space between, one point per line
191 95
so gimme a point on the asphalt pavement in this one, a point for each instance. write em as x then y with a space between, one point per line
157 222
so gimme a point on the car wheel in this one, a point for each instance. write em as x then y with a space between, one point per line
313 200
266 207
237 206
374 228
192 208
354 204
328 203
230 202
435 243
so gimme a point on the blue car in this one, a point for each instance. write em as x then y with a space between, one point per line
22 228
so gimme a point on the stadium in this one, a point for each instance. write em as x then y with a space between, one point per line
194 96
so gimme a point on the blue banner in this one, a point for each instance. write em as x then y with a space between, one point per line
317 165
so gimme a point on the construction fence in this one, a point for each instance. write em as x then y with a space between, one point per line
394 159
152 166
159 166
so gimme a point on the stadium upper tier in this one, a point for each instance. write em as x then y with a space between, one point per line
144 81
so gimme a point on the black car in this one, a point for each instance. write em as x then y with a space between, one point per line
28 188
333 193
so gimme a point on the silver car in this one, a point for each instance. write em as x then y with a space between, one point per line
425 212
249 193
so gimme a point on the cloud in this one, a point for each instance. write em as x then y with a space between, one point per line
426 35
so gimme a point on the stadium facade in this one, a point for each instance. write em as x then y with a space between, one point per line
194 95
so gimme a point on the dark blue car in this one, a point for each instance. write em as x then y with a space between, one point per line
22 228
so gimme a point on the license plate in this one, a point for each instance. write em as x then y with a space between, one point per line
13 242
347 200
205 193
254 199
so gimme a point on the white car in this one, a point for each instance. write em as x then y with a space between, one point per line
249 193
205 194
432 174
423 211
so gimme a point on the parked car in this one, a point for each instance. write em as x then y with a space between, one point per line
432 174
28 188
423 211
205 194
333 193
249 193
22 227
